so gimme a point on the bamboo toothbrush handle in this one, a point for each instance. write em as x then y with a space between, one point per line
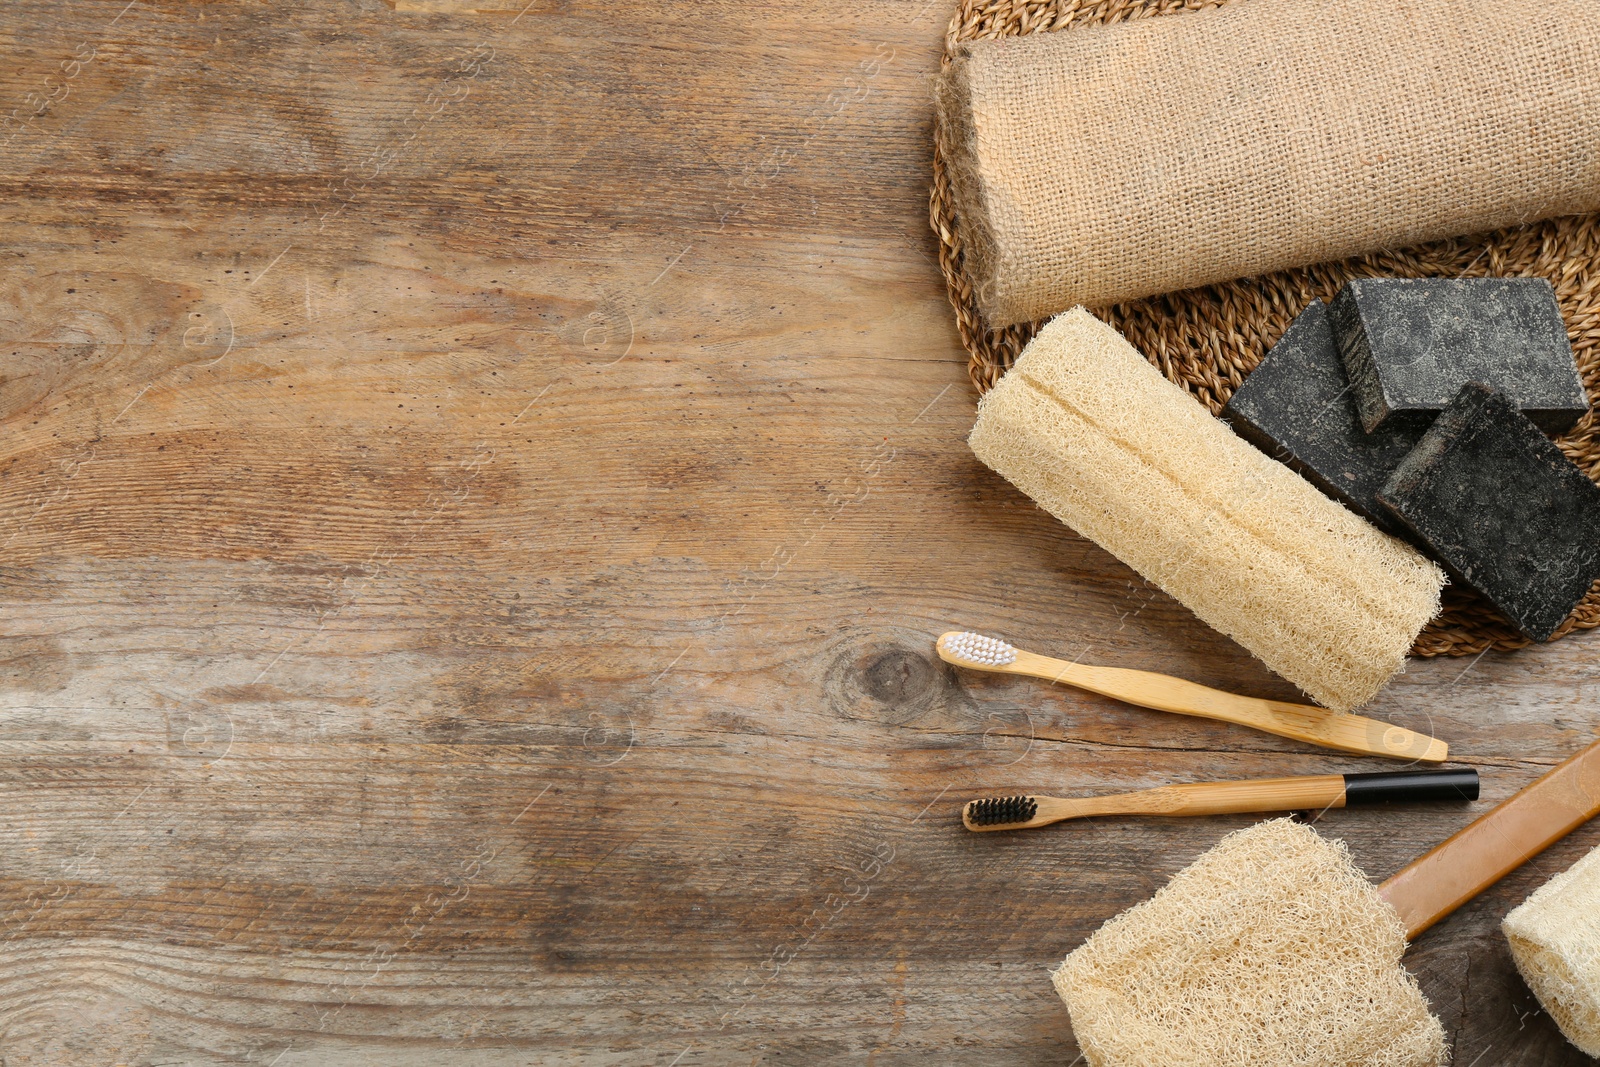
1221 798
1302 722
1026 810
1280 794
1504 838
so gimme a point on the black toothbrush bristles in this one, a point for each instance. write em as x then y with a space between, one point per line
997 811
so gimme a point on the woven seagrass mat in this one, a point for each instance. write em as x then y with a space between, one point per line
1208 339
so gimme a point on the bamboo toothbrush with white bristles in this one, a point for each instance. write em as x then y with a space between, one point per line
1160 692
1312 792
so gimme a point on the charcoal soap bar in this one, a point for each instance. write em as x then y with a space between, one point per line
1501 505
1410 343
1297 407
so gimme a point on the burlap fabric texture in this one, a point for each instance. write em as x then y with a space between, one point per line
1208 338
1117 162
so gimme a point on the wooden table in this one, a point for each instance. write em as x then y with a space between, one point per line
480 486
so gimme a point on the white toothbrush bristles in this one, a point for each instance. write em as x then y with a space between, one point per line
980 650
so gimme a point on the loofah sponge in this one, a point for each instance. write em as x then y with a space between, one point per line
1091 431
1271 949
1555 939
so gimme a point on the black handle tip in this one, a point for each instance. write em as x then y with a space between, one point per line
1386 787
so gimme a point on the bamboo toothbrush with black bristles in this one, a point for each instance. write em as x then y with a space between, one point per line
1161 692
1313 792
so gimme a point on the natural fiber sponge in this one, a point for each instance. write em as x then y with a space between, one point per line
1555 939
1104 163
1091 431
1271 949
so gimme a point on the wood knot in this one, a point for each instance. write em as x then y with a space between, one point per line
885 682
897 676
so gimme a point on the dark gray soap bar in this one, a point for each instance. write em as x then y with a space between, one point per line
1501 505
1297 407
1410 343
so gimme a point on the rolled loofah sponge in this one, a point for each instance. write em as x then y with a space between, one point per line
1271 949
1555 939
1091 431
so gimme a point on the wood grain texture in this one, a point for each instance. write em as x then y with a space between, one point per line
479 489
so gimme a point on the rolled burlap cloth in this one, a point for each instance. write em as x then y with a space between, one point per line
1107 163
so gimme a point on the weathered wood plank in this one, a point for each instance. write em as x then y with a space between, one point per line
478 494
